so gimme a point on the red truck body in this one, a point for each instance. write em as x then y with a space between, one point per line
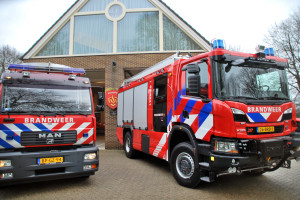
47 124
216 113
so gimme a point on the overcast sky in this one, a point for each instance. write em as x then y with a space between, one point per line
241 23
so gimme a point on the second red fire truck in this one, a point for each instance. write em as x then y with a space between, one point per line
47 124
213 114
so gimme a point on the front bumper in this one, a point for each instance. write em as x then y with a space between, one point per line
262 153
25 167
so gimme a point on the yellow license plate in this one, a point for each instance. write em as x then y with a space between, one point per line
52 160
269 129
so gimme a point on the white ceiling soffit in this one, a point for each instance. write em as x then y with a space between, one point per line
63 20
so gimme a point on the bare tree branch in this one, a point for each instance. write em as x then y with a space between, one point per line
8 55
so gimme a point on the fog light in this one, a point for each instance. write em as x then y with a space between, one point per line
5 163
6 176
87 167
90 156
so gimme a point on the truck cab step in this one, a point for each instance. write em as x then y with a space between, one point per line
206 179
204 165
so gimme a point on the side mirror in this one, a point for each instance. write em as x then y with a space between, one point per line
194 83
100 106
100 97
192 68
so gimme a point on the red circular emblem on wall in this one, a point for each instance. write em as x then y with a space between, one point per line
111 98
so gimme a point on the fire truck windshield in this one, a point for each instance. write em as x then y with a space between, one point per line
50 99
258 82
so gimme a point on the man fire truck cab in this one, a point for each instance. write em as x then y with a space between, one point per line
47 124
217 113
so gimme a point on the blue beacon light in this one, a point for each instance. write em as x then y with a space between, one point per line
269 51
218 43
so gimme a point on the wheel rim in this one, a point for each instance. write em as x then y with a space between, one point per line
185 165
127 144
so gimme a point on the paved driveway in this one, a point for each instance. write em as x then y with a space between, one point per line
149 178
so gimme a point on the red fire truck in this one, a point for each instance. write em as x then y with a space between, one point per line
213 114
47 124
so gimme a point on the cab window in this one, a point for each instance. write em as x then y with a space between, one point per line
203 80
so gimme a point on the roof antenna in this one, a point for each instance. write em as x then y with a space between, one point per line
178 54
189 54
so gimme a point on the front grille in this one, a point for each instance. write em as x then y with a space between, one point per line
253 130
48 138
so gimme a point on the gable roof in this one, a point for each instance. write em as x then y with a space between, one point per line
205 44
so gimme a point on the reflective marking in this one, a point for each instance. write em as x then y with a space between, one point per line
205 127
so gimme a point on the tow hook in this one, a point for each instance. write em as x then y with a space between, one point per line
286 164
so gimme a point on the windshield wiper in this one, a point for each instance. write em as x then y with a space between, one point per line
50 113
274 98
19 112
239 97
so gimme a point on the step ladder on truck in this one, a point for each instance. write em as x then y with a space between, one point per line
217 113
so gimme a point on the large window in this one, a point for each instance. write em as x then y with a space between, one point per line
93 34
138 32
59 44
118 26
176 39
137 4
95 5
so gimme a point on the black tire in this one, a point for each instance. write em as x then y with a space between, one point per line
183 165
128 148
257 172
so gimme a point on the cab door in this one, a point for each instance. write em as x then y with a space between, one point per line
160 103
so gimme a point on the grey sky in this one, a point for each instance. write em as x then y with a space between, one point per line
241 23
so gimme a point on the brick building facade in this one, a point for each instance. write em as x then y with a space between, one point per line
113 66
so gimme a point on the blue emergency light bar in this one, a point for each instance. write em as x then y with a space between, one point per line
45 67
269 52
218 43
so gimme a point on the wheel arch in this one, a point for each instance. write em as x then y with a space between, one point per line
182 133
128 128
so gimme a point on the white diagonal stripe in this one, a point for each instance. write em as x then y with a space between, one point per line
83 139
265 115
66 127
205 127
190 120
160 145
11 142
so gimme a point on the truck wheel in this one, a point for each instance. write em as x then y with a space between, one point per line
129 151
183 165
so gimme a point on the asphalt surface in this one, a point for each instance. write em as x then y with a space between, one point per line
147 177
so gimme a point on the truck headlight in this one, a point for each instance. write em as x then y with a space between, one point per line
287 114
90 156
237 111
288 111
5 163
239 115
225 147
